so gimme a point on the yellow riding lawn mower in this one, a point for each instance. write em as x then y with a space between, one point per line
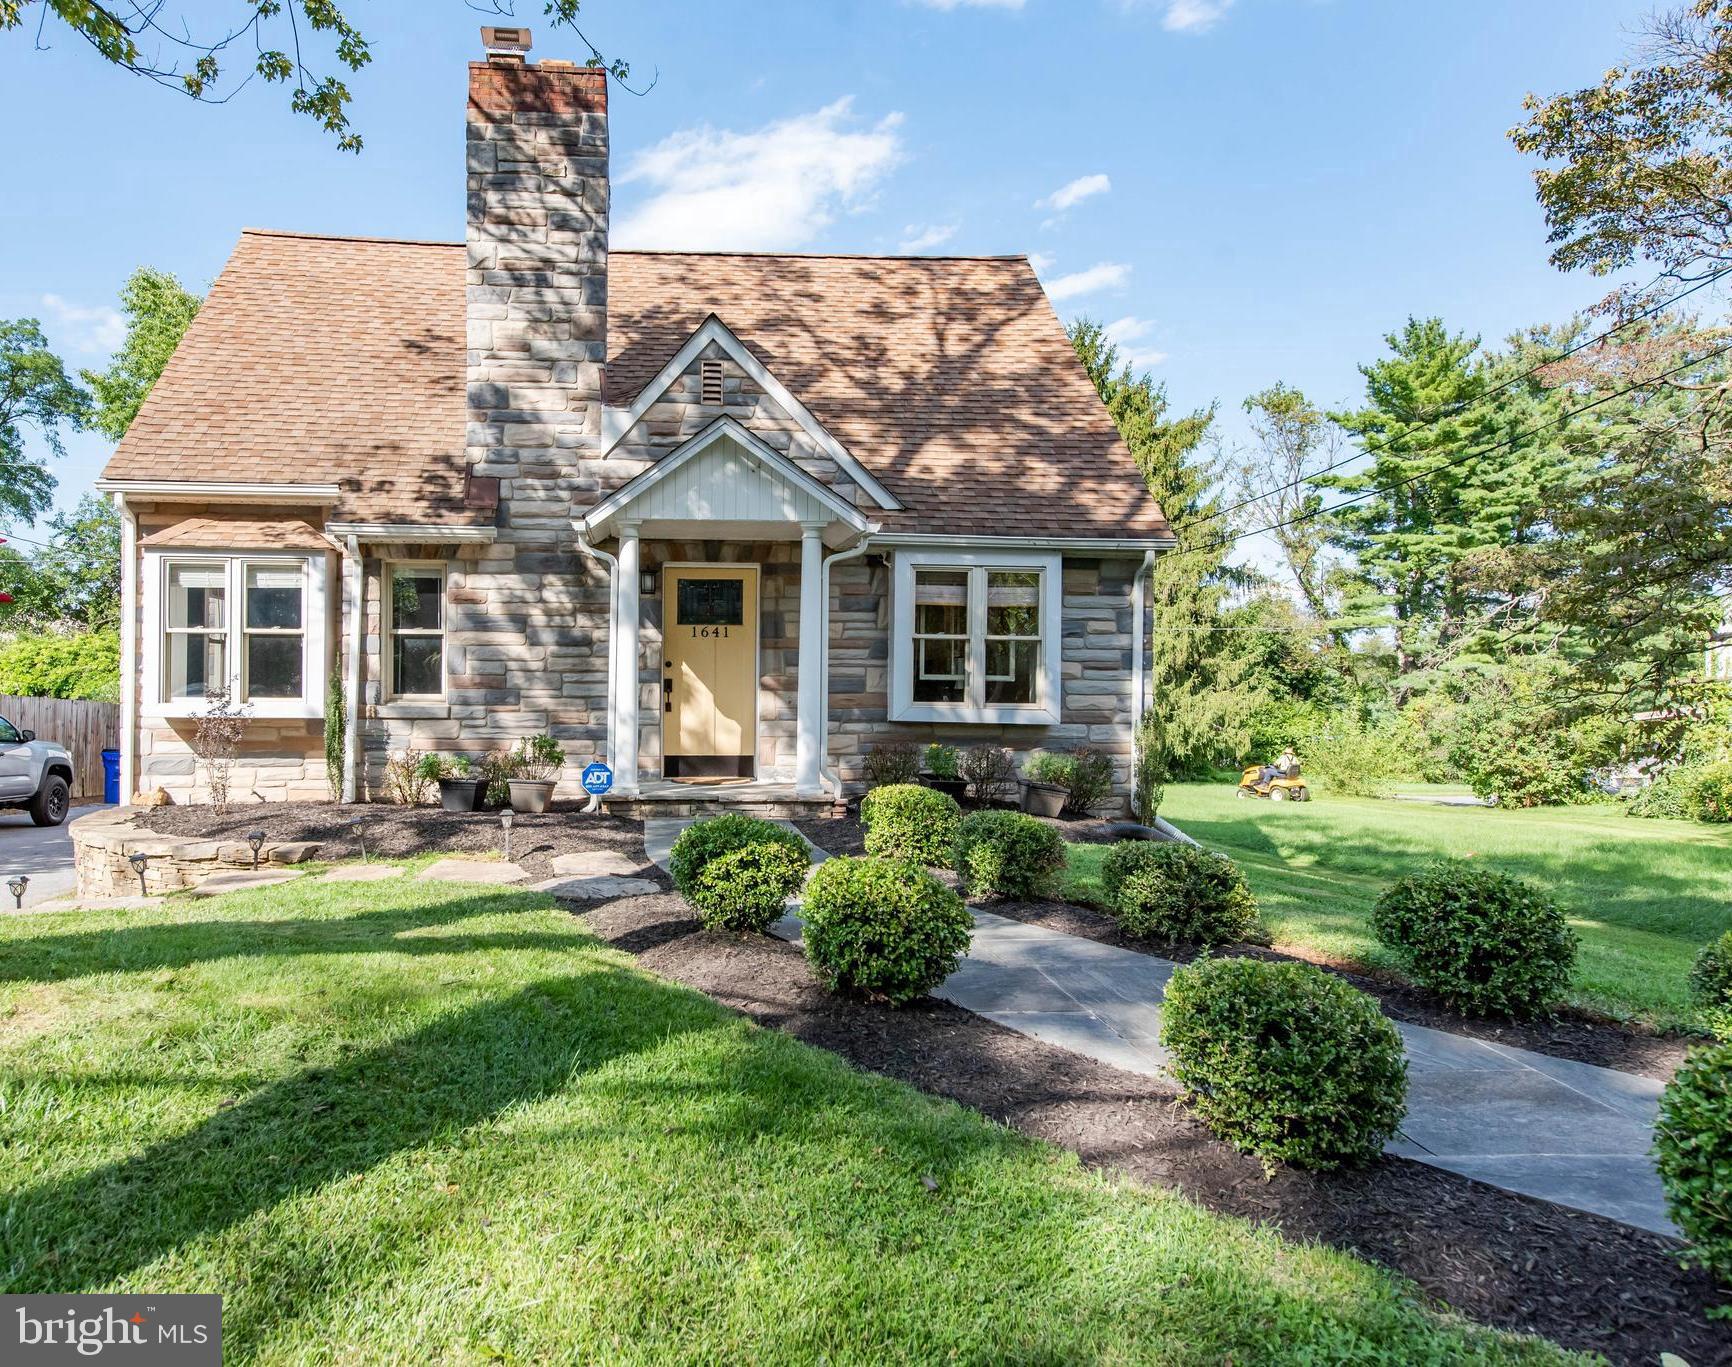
1287 788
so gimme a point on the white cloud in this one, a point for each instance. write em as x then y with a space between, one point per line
1125 332
771 189
1042 262
1068 196
971 4
1194 16
918 239
1105 275
78 327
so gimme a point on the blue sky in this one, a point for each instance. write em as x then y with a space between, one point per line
1251 190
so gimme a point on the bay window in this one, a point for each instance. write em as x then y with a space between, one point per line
250 627
975 637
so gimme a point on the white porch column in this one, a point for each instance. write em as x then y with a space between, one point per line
809 720
622 658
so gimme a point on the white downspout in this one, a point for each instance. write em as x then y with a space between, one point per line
1139 645
128 649
356 575
612 563
831 779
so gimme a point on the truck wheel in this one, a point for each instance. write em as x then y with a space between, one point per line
53 798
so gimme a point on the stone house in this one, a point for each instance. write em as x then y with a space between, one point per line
706 516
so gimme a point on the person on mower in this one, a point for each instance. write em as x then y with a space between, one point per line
1286 765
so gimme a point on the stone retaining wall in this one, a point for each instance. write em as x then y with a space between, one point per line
104 842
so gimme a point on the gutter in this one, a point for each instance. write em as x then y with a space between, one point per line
355 572
222 489
128 649
612 563
825 775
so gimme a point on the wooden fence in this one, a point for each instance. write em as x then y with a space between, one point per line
85 728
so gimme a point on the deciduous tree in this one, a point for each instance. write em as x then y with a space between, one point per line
158 312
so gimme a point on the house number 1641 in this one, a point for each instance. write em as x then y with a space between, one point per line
705 633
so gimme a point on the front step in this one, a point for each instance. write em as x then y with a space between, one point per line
642 808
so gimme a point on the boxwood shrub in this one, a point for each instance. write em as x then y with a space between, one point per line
884 929
1693 1146
1008 853
1486 943
1285 1061
746 889
908 821
1178 893
703 841
1711 982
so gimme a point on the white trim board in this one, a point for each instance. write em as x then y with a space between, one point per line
769 462
617 422
221 490
1089 545
422 533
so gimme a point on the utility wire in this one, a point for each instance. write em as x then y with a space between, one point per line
1460 408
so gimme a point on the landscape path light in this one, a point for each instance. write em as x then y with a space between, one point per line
257 840
17 883
505 821
139 863
355 829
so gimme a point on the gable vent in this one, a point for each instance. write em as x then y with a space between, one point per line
710 383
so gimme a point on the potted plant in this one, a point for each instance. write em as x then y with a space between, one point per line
535 768
460 787
942 772
495 771
1046 785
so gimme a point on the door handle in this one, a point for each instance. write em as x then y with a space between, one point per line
667 695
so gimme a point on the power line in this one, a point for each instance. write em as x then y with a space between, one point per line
1467 455
1463 407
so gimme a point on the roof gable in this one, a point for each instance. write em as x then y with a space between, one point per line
618 422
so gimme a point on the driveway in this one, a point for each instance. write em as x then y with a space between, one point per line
44 853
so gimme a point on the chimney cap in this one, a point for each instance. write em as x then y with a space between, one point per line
505 40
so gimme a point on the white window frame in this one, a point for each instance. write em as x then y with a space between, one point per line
315 637
388 629
1048 704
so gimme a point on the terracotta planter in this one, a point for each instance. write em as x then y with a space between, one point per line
953 787
1042 799
531 794
461 794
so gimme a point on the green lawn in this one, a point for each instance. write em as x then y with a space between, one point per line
414 1122
1644 895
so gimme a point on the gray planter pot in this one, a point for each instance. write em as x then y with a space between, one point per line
1042 799
531 794
461 794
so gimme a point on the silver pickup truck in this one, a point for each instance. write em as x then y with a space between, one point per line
35 775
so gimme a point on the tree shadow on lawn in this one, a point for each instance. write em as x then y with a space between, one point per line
182 944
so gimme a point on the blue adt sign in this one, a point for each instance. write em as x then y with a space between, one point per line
597 778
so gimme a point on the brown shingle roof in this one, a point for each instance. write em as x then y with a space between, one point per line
239 533
950 379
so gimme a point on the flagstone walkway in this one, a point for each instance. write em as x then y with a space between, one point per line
1567 1132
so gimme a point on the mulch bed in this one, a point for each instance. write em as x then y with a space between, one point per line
1503 1259
1568 1034
397 832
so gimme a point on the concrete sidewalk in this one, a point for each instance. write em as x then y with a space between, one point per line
1566 1132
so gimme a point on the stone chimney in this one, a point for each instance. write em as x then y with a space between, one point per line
537 274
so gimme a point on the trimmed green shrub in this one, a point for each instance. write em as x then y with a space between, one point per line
1711 982
1178 893
1009 853
746 889
1712 792
942 760
1670 797
703 841
1486 943
1693 1146
1285 1061
885 929
907 821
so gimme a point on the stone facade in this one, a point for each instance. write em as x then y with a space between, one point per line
103 844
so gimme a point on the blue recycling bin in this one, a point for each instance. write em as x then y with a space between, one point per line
111 776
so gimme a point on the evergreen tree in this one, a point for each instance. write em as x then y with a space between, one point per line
1203 691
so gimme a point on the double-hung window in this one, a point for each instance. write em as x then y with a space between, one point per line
251 627
415 617
975 636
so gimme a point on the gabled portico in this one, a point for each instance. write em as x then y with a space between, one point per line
724 485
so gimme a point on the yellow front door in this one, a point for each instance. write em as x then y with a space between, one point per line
709 670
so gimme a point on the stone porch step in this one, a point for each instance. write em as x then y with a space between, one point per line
667 799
